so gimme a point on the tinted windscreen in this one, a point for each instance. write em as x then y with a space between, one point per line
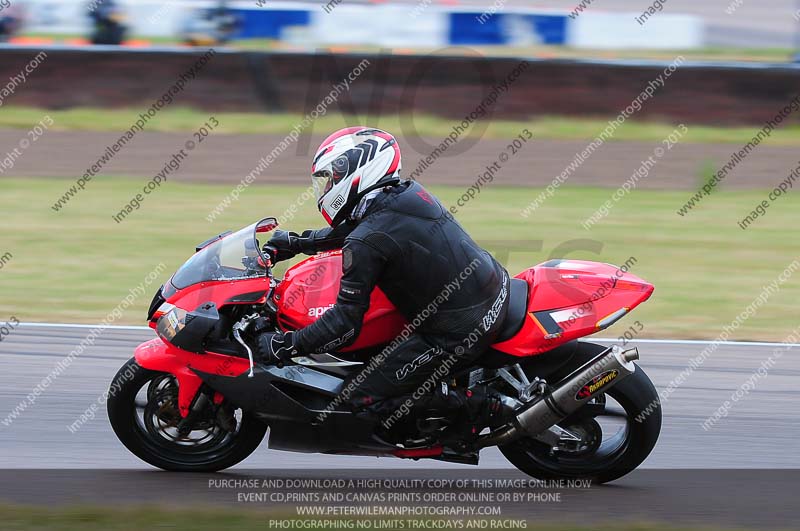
233 257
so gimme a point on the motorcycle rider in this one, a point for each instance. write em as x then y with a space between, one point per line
108 22
395 235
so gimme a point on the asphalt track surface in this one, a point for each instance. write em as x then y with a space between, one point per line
688 478
762 429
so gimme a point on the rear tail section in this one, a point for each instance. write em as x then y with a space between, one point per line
568 299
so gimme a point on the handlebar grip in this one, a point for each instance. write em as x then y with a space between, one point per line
272 252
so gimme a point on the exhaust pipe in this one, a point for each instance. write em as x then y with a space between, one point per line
595 377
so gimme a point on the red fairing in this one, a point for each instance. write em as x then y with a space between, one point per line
221 293
569 299
310 288
157 355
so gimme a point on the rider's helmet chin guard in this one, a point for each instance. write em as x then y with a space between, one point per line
349 164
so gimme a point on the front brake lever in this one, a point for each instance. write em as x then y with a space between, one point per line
237 329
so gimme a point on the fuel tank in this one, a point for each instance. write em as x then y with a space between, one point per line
309 289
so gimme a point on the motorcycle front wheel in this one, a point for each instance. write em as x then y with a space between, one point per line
143 410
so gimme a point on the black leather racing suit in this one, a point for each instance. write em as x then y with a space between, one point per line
453 293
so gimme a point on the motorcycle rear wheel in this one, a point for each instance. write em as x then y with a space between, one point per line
143 413
600 461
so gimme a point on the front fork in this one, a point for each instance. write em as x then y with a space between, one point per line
197 408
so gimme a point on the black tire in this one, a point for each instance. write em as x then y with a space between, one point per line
122 412
638 397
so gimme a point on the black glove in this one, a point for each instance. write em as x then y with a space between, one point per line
283 245
276 347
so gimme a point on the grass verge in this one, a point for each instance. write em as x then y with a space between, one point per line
553 128
78 264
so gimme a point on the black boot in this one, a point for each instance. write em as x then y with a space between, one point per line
484 407
473 408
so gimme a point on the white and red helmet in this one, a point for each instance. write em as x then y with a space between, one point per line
349 164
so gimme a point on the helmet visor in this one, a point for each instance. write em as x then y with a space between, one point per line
324 178
322 181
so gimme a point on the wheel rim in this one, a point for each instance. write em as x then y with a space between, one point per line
605 427
157 418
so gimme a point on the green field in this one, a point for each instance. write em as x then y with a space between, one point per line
116 519
76 265
555 128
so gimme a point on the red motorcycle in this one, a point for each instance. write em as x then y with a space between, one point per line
194 399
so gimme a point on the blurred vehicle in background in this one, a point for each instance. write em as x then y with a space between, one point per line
12 18
216 25
108 22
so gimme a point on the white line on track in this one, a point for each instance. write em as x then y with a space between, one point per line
71 325
603 339
700 342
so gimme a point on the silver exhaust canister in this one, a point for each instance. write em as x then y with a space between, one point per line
595 377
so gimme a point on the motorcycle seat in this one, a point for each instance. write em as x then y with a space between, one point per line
517 310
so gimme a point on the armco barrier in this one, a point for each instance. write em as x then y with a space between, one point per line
449 86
